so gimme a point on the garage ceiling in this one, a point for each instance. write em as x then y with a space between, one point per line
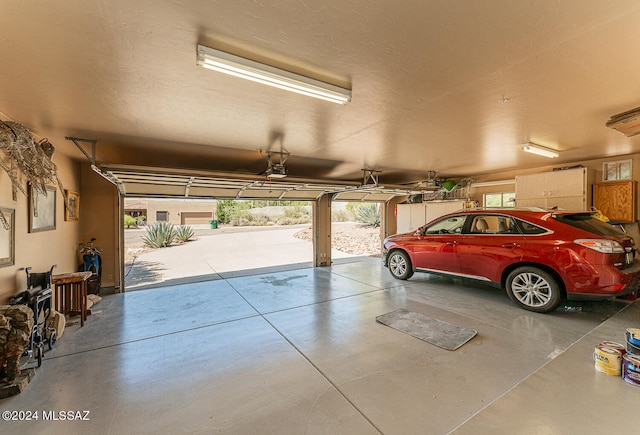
453 86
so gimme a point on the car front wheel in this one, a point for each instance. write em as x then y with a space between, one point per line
533 289
400 265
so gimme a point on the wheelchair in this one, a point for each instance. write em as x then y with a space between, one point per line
38 297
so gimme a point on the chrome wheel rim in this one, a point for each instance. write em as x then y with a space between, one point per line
531 289
397 265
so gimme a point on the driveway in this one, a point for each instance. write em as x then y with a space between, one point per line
220 253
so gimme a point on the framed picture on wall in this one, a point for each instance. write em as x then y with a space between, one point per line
7 237
72 205
42 209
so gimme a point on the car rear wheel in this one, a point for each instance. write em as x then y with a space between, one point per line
400 265
533 289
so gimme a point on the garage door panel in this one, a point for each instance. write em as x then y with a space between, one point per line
195 217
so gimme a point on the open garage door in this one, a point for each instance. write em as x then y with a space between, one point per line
157 184
138 181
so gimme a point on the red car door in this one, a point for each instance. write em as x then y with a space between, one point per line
491 243
435 246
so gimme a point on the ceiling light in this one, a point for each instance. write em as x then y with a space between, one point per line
541 151
237 66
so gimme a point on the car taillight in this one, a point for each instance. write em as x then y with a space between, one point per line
601 245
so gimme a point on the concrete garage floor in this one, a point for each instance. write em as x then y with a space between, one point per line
294 352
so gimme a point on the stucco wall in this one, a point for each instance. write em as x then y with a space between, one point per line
99 217
42 249
174 208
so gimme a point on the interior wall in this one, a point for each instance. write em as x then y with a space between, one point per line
99 217
42 249
595 165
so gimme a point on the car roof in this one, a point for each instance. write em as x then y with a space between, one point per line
522 212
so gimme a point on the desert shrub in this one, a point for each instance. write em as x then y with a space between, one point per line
184 233
342 216
141 220
130 221
294 215
368 214
228 209
159 235
240 218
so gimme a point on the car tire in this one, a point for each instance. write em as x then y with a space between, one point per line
399 265
533 289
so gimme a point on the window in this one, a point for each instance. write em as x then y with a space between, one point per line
451 225
613 171
506 199
528 228
585 221
493 224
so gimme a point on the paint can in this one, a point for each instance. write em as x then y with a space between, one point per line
608 359
631 369
633 341
613 344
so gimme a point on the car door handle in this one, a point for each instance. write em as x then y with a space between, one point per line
511 245
453 243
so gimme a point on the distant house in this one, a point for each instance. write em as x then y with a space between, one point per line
175 211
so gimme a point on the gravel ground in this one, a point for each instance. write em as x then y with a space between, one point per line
350 238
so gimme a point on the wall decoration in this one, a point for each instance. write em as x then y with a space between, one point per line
42 209
7 236
21 157
72 205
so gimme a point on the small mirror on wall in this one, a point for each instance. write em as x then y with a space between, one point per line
616 171
7 236
42 209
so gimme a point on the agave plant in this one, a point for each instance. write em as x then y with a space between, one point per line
159 235
184 233
369 215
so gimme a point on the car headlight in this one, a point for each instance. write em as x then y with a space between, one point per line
601 245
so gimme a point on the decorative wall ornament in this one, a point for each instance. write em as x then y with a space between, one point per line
24 159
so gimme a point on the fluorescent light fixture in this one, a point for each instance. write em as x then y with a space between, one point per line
541 151
493 183
237 66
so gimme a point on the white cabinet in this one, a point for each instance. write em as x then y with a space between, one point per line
568 189
412 216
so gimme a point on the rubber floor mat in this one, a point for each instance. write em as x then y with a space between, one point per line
442 334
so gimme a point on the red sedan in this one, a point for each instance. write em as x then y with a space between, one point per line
538 257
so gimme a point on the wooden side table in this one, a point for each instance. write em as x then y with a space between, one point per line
71 293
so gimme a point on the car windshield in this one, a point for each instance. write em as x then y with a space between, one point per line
585 221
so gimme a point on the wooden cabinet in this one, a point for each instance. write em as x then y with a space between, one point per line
568 189
617 200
